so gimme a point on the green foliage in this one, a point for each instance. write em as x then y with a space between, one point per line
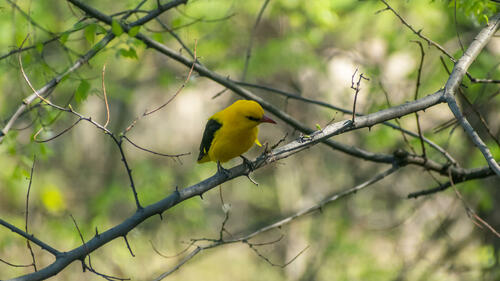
39 47
64 38
90 32
116 28
134 31
128 53
82 91
480 10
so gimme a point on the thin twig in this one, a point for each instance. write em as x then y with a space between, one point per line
172 256
27 213
356 89
81 235
470 212
179 40
128 245
184 260
472 174
456 26
26 77
417 87
266 259
129 13
15 265
119 143
403 134
180 88
105 97
56 136
154 152
252 38
419 32
29 82
269 242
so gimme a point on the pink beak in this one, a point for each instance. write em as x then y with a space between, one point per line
266 119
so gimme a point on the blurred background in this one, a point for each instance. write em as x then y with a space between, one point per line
308 48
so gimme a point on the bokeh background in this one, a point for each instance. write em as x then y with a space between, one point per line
309 48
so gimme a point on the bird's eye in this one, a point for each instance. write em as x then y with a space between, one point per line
253 118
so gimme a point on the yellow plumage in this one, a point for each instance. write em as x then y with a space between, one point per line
232 131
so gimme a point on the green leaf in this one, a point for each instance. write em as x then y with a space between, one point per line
90 32
176 22
100 29
134 30
158 37
27 58
39 47
64 37
82 91
130 53
486 19
116 28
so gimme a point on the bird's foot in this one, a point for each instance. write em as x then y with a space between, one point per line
251 168
248 163
221 170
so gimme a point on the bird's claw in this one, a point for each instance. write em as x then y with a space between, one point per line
221 170
248 163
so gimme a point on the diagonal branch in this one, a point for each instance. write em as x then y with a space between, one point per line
30 237
453 84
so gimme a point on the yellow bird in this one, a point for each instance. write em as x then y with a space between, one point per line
231 132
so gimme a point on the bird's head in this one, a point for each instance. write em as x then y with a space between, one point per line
250 112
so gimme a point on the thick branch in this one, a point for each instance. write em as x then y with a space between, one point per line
455 79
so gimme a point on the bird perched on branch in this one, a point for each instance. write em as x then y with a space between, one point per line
231 132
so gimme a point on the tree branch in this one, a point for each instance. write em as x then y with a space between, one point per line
455 79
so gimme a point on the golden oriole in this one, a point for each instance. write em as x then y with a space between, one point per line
231 132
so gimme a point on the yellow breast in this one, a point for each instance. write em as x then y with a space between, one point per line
230 142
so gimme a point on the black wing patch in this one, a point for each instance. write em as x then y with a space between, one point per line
208 136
